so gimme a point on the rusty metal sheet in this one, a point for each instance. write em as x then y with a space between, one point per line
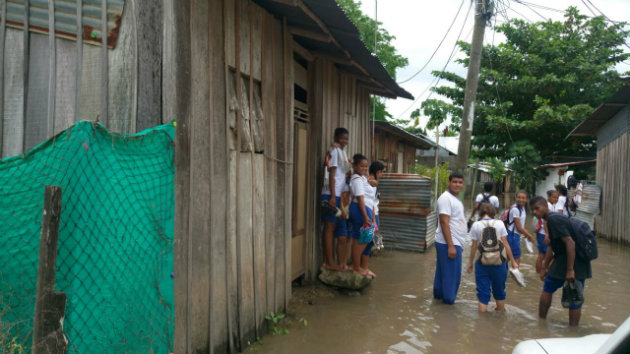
66 18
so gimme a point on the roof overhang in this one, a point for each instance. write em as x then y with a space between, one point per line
416 141
322 27
564 164
591 125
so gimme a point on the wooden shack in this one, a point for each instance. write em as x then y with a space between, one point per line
396 147
257 89
610 124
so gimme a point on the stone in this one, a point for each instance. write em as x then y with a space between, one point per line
344 279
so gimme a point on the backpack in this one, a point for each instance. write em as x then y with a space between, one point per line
505 217
486 198
584 238
491 249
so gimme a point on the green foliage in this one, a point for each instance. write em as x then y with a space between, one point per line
8 343
430 172
496 169
438 112
534 88
385 51
274 323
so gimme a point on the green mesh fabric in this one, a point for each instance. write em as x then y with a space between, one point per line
115 251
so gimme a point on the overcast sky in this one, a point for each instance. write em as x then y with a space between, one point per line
420 25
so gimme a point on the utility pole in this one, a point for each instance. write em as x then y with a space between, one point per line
482 12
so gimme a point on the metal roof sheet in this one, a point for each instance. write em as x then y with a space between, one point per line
416 140
603 113
66 18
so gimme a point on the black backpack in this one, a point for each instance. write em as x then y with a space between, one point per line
491 249
584 238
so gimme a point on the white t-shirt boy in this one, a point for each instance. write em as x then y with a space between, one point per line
337 158
492 198
477 228
449 204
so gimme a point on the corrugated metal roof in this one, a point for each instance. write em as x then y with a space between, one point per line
66 18
415 140
563 164
341 29
604 112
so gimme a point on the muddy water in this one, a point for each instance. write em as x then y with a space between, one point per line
396 313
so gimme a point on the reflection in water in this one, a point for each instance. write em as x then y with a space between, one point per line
396 313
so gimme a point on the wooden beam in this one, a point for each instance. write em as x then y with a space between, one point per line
105 67
303 52
300 32
79 68
52 73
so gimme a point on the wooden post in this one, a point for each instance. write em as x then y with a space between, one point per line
49 306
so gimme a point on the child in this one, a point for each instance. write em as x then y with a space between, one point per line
516 226
562 199
541 230
337 166
489 276
376 172
360 212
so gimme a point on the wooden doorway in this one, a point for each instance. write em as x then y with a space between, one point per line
300 167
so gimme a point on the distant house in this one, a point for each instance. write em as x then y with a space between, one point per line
482 175
558 173
610 123
447 152
397 148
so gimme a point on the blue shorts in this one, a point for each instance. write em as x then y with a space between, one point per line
553 284
542 248
487 277
356 219
341 225
514 240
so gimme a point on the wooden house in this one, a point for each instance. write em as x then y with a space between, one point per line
610 124
396 147
257 88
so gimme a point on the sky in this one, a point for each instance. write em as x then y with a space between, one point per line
420 25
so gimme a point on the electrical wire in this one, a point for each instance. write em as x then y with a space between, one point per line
438 47
531 9
445 65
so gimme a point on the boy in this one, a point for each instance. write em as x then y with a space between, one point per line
541 229
450 237
485 197
565 265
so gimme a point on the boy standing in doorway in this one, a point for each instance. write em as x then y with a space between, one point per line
450 237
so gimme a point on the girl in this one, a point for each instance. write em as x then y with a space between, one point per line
337 166
489 277
562 199
360 212
541 229
376 172
516 226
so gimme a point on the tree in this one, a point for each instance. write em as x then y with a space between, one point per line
386 52
534 88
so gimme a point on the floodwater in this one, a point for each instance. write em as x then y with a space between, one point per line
397 313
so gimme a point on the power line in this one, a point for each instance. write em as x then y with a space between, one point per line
534 11
445 65
588 7
603 14
438 47
520 14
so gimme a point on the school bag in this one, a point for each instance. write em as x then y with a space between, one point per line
485 198
505 217
584 238
491 249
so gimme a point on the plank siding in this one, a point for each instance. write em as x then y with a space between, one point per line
13 117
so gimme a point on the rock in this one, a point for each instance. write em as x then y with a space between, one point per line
344 279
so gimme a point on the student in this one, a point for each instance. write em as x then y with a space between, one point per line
516 226
337 167
565 265
562 199
360 213
377 169
542 240
485 197
489 276
450 237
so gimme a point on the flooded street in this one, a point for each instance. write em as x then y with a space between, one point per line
397 314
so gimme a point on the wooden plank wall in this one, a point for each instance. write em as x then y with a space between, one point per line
613 169
49 83
234 166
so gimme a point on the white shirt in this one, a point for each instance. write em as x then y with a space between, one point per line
560 204
359 186
516 213
477 228
449 204
340 173
493 199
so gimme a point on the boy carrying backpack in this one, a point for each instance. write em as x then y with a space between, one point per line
490 250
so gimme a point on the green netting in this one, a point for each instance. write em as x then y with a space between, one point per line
115 251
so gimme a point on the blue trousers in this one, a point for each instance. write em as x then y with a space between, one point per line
487 277
448 274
